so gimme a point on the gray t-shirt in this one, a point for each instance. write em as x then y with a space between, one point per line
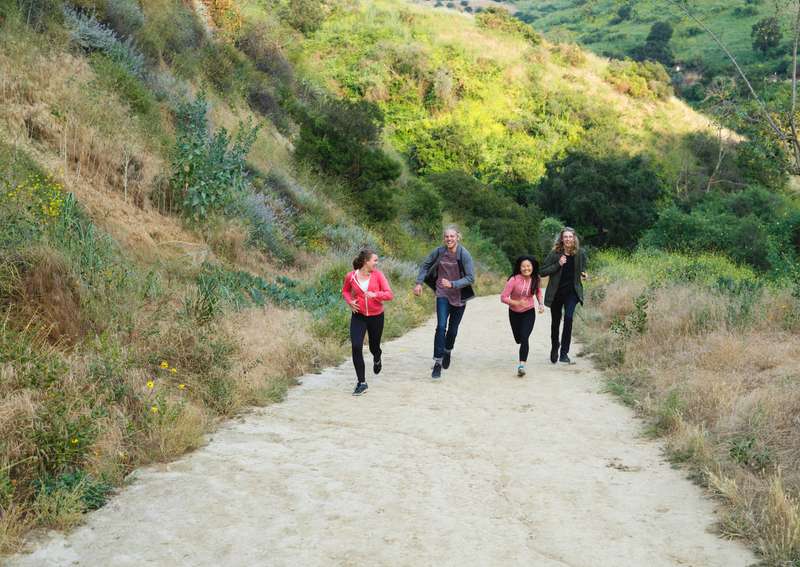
448 268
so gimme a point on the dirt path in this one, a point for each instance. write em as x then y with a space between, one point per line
482 468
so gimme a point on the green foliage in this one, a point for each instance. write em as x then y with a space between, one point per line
341 138
746 451
741 224
171 29
549 229
130 88
208 169
500 19
305 16
766 34
646 79
611 201
656 46
634 323
510 226
423 206
93 492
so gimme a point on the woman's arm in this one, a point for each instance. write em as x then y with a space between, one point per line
348 297
505 296
550 265
384 292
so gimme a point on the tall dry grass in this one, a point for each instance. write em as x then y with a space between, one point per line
715 372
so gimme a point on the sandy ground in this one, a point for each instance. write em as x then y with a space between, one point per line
482 468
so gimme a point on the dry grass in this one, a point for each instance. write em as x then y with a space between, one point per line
722 386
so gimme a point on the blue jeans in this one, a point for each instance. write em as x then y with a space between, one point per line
447 321
568 304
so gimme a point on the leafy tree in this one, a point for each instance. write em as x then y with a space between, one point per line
656 46
610 200
766 34
424 207
510 226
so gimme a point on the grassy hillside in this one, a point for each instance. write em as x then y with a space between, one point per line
599 26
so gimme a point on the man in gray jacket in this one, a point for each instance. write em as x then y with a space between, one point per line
450 273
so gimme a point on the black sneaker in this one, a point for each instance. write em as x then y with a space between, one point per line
437 371
361 387
554 354
446 360
376 366
565 359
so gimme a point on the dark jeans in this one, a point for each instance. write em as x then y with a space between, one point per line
567 303
522 327
447 321
359 326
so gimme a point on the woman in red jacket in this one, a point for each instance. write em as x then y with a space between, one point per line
523 296
365 289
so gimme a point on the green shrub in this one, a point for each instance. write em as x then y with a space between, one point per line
117 78
423 206
647 79
500 19
610 200
209 170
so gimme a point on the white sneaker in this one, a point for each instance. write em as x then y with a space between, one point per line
521 370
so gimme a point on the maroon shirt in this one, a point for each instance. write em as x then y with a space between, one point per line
448 268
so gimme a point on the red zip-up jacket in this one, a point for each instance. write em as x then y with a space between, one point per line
517 287
377 284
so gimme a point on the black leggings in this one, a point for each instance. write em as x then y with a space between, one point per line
359 326
522 327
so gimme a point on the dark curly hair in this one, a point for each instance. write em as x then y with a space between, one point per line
534 274
363 255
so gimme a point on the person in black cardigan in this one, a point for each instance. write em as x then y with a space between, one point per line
566 268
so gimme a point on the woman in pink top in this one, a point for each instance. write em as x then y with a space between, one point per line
523 297
365 289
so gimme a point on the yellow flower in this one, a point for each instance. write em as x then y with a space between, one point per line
164 364
150 384
74 441
173 370
154 409
181 386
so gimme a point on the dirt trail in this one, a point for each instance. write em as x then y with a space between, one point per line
482 468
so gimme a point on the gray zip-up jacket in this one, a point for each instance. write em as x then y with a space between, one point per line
428 271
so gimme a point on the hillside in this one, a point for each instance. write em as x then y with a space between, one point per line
608 27
182 187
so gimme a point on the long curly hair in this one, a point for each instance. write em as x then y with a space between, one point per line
534 275
558 245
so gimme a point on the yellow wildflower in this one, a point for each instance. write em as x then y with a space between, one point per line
74 441
150 384
164 364
154 409
173 370
181 386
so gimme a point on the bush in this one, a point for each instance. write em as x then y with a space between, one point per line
423 206
341 138
646 79
500 19
611 201
124 16
170 30
209 170
305 16
129 87
92 35
510 226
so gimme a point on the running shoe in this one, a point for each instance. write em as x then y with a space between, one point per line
446 360
361 387
565 359
521 370
437 371
376 366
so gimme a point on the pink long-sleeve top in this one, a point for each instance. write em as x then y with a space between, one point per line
519 287
377 284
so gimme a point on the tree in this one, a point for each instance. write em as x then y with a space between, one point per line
610 200
766 34
656 47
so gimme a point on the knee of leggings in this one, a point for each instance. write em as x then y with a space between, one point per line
358 346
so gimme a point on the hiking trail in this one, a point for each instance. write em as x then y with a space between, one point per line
482 468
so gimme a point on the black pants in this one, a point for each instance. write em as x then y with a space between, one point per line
566 302
359 326
522 327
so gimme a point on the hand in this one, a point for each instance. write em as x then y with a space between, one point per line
562 260
370 294
447 284
514 302
418 290
584 276
354 306
541 309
